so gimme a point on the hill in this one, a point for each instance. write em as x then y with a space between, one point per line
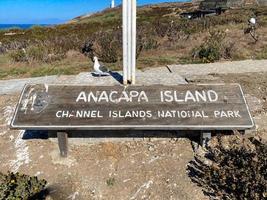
163 37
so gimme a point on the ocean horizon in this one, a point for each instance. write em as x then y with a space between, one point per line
21 26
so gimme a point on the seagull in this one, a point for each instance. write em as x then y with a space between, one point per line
100 70
252 21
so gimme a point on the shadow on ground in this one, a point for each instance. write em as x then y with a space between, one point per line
192 135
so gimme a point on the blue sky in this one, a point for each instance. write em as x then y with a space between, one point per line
52 11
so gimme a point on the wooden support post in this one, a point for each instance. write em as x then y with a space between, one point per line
63 143
204 138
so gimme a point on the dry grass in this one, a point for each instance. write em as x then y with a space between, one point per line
163 38
72 64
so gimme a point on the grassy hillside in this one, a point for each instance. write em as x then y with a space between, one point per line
163 38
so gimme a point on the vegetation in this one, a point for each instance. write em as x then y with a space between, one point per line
161 33
262 54
232 167
15 186
110 182
67 66
214 48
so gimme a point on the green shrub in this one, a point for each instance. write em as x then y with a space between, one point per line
15 186
212 49
232 167
36 53
105 45
110 181
209 53
18 55
262 54
161 27
149 43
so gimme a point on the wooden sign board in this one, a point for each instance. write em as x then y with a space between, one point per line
182 107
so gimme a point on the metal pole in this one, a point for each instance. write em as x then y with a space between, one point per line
125 44
129 39
133 53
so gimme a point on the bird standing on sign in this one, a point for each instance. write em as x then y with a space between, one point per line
100 70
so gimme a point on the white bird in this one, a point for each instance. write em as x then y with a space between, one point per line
100 70
252 21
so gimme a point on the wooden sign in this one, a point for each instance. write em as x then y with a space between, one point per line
72 107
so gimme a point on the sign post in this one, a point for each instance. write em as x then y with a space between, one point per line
129 41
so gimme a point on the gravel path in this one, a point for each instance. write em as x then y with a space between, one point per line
170 75
143 78
228 67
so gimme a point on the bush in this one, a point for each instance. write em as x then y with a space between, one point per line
232 167
36 53
149 43
212 48
262 54
18 55
19 186
105 45
209 53
158 28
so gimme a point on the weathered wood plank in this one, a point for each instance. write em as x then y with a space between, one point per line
196 107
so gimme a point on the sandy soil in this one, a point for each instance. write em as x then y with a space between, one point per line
146 168
255 89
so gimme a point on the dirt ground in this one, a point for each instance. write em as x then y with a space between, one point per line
255 90
133 168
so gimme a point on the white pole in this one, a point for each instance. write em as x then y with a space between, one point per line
133 45
129 39
125 44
